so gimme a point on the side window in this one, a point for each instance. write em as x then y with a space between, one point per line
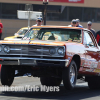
87 39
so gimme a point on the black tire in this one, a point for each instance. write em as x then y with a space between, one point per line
0 72
94 83
50 81
7 75
66 76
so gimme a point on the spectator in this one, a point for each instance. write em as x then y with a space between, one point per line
1 28
97 36
89 26
73 23
78 23
39 21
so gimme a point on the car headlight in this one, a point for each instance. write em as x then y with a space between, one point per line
7 49
0 48
52 50
61 51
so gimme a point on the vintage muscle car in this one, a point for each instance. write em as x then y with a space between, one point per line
53 53
17 36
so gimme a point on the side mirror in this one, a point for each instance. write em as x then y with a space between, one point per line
91 44
86 45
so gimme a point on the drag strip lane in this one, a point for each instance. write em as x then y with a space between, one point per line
81 92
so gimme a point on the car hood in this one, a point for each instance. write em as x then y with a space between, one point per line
14 37
34 42
10 37
14 41
60 43
38 42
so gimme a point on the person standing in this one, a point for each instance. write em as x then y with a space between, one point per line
89 26
39 21
78 23
1 28
73 23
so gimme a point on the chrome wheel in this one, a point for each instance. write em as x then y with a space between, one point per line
72 74
69 75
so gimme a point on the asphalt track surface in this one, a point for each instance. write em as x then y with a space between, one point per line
81 91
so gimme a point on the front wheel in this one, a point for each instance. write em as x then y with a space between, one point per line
69 76
7 75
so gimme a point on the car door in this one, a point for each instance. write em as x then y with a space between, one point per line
91 52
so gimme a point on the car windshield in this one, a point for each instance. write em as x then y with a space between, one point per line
31 34
55 34
22 32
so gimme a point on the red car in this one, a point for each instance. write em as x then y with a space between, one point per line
53 53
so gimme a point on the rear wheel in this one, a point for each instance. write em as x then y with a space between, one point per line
69 76
50 81
0 71
7 75
94 82
94 85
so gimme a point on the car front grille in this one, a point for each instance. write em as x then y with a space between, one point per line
29 51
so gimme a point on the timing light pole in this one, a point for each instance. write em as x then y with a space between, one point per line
29 8
45 2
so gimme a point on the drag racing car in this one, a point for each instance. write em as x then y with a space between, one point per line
18 36
54 54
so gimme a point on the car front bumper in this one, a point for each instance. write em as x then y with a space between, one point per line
34 61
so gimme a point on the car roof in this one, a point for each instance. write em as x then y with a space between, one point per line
54 26
24 28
